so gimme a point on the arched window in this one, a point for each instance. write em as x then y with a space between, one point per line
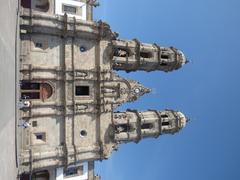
34 90
121 52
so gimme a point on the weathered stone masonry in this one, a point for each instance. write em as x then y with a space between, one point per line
70 89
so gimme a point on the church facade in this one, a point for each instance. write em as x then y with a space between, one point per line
69 88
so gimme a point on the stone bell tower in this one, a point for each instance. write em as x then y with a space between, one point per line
133 55
134 126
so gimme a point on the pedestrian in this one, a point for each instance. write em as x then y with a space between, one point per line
24 125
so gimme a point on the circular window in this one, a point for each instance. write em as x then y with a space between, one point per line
82 49
83 133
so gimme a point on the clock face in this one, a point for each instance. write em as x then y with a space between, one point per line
137 90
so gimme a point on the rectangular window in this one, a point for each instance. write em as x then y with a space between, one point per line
82 91
69 9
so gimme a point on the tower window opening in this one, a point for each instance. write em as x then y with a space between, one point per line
164 115
163 64
82 91
122 128
164 56
121 52
145 54
165 123
147 126
69 9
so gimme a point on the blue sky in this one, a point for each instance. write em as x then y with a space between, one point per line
207 90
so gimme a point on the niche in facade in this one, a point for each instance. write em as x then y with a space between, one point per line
121 52
34 90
